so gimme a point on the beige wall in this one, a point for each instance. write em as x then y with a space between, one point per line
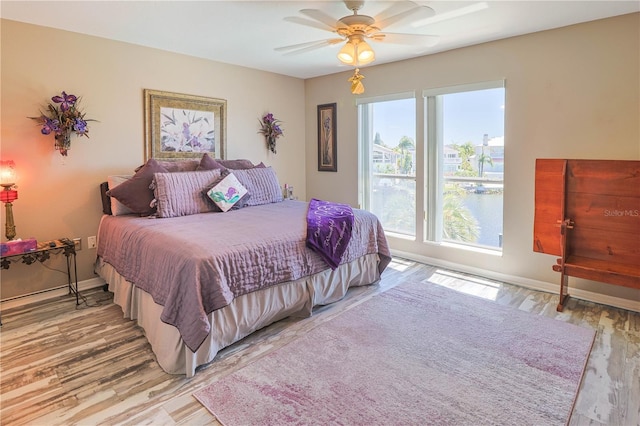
60 198
570 93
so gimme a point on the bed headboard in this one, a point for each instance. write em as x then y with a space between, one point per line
106 200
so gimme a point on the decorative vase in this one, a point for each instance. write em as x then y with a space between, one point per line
63 143
271 144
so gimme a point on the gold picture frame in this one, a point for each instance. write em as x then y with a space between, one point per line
327 138
179 126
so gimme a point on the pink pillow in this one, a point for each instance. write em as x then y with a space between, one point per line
180 165
135 193
180 194
262 183
176 166
208 163
236 164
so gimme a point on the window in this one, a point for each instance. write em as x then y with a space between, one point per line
465 163
462 150
388 161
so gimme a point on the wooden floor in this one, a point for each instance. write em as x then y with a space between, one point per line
61 365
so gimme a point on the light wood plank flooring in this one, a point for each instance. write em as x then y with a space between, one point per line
62 366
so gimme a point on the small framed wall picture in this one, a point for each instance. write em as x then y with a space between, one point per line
327 140
179 126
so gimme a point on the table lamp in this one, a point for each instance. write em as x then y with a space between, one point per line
8 195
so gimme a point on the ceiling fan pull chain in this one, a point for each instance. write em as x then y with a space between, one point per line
357 87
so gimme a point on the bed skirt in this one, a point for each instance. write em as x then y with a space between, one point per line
242 317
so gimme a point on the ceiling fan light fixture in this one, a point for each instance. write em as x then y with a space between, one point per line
356 52
365 53
347 54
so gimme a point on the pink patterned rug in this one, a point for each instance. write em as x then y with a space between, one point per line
415 354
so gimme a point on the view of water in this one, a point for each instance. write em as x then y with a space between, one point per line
393 201
487 209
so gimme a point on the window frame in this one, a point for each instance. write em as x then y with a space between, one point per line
434 161
365 134
429 159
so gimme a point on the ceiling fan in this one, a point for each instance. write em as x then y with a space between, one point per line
356 29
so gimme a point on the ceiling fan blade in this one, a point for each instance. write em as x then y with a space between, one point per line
308 23
321 17
395 14
423 40
296 49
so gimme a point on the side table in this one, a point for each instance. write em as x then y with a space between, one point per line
43 252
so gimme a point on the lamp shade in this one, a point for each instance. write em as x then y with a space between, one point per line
365 53
7 173
347 54
356 52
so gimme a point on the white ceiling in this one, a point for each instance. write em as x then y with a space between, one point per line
247 32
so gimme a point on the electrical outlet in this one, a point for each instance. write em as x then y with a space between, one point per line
77 242
91 242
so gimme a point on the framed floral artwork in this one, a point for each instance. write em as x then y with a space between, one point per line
327 140
179 126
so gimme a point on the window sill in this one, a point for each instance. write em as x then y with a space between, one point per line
474 249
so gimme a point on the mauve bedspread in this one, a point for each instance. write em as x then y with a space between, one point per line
193 265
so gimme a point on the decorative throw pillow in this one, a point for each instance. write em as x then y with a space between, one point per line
242 202
262 183
135 193
227 193
117 208
208 163
180 194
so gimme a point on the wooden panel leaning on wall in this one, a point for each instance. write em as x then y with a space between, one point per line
588 213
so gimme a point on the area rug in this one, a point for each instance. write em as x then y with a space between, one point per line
415 354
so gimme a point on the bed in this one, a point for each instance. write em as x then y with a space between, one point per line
198 279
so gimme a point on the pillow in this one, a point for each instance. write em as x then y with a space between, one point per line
177 165
238 205
208 163
236 164
135 193
262 183
227 192
180 165
180 194
117 208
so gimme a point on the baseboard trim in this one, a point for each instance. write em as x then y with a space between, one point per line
49 294
577 293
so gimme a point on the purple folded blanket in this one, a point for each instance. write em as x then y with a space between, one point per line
329 227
